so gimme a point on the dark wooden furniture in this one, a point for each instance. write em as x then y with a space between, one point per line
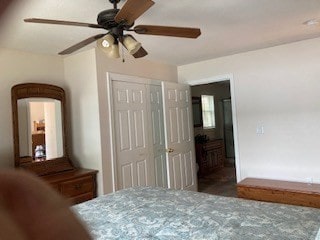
210 156
295 193
38 139
78 185
75 184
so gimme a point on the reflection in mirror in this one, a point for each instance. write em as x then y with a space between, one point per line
40 129
197 111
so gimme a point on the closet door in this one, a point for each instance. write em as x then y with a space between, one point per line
134 155
158 139
179 136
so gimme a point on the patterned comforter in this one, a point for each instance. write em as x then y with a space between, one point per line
157 213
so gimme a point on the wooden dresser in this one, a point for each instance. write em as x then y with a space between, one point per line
210 156
77 185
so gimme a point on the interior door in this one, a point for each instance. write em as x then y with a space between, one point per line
135 165
179 136
158 140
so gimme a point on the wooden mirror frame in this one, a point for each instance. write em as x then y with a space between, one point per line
39 90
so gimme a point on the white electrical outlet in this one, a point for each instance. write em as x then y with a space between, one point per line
309 180
260 129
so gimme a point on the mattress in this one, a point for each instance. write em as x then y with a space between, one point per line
158 213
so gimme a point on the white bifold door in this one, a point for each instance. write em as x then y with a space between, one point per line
133 136
153 135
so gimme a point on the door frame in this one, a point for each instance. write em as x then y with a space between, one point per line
230 78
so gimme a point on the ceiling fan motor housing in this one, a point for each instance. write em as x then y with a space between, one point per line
106 18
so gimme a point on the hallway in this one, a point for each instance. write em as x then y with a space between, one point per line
222 182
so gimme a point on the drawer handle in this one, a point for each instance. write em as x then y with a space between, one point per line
170 150
78 186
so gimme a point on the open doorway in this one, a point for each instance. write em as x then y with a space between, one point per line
214 138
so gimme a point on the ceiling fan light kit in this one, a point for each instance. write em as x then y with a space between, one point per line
116 22
131 44
109 46
114 51
106 41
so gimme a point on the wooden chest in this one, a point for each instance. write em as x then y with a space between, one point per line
295 193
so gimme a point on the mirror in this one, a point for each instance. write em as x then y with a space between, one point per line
197 111
39 128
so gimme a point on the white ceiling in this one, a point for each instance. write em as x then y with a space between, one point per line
227 26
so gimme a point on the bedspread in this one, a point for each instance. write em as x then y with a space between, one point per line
158 213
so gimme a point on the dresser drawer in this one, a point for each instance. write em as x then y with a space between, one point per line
77 186
213 144
56 187
82 198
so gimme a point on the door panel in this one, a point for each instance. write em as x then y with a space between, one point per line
161 170
124 136
139 129
127 175
179 132
185 124
175 172
174 129
134 156
142 172
188 166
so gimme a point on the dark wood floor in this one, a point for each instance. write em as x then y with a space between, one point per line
222 182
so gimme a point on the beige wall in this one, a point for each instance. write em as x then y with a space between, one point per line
86 79
81 80
278 88
21 67
81 75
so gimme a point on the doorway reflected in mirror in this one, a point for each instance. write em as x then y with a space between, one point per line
40 128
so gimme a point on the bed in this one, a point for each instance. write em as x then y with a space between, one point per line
158 213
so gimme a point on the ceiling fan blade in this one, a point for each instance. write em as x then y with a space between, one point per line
168 31
81 44
61 22
132 9
141 53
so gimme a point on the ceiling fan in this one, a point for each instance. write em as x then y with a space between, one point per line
117 22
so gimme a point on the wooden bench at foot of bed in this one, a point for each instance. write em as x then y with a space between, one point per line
295 193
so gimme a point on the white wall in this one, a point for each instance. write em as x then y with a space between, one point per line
85 75
21 67
278 88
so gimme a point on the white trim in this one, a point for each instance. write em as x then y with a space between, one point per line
133 79
111 132
164 95
221 78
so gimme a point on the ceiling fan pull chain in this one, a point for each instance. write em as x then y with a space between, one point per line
122 54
